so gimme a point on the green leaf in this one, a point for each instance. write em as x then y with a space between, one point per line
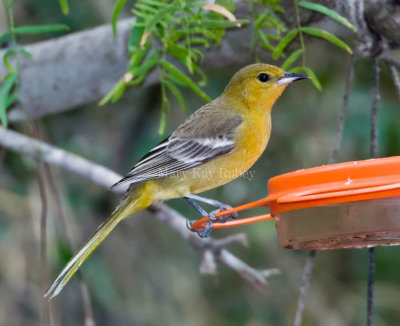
140 14
164 114
146 66
160 16
313 77
26 53
114 18
215 23
135 37
178 52
4 37
144 7
118 88
198 40
40 29
328 12
203 81
12 52
285 41
174 71
174 90
64 6
327 36
4 97
11 99
7 62
176 35
265 41
207 33
261 17
138 55
197 54
291 59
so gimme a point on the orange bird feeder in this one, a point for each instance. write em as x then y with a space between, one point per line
346 205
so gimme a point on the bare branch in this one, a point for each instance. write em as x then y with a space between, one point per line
104 177
55 156
305 284
256 277
395 78
240 238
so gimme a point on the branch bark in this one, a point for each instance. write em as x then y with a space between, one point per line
104 177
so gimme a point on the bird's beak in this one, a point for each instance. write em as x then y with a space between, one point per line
290 77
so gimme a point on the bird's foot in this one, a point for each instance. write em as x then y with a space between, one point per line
222 218
203 232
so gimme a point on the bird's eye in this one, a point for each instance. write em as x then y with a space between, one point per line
263 77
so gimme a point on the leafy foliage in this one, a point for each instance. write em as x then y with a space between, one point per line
9 82
269 28
171 30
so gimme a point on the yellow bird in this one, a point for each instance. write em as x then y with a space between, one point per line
215 145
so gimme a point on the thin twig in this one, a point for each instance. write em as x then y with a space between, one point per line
374 108
390 60
87 305
343 111
57 201
104 177
374 154
395 78
370 288
43 242
305 284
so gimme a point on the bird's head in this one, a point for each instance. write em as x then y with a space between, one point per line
259 85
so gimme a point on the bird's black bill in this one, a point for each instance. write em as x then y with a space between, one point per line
290 77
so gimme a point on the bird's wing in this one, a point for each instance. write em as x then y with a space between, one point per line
179 153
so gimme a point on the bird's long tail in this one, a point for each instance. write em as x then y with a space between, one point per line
135 200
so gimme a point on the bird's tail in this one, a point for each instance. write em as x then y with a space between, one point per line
135 200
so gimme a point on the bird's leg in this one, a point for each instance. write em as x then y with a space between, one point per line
204 232
196 206
220 207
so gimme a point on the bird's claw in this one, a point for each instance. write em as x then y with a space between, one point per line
203 232
222 218
206 230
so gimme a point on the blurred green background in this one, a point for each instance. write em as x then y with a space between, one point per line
144 274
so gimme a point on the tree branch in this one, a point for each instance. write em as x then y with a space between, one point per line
82 67
104 177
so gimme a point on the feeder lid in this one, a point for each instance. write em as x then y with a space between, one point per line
335 183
